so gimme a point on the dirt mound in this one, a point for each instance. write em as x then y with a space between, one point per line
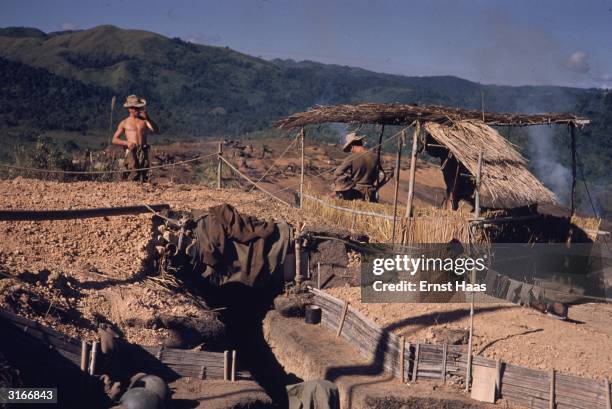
74 274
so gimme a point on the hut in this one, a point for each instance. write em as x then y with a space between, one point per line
497 170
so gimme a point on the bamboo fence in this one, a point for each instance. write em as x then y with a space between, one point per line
185 363
524 386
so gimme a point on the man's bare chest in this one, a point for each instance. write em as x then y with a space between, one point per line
138 126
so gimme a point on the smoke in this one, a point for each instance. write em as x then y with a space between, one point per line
342 130
578 62
543 160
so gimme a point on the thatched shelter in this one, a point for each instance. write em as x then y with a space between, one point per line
505 179
405 114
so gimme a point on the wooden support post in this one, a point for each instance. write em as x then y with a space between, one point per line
468 370
110 124
84 351
477 187
318 276
225 364
342 318
572 129
234 366
93 358
398 159
219 164
401 358
302 167
551 392
298 262
498 373
608 397
413 159
415 364
444 355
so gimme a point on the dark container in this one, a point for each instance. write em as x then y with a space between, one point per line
312 314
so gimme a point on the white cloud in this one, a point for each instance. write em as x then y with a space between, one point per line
578 62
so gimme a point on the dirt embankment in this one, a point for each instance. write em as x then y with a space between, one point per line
517 335
74 274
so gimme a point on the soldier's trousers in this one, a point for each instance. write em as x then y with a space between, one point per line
136 162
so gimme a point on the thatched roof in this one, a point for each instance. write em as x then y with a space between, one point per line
404 114
505 180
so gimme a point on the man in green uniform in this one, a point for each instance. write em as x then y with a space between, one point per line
357 178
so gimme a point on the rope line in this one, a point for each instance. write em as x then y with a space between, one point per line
102 172
275 162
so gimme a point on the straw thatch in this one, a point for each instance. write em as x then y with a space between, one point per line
405 114
505 180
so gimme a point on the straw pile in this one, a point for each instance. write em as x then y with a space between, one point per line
429 225
505 180
405 114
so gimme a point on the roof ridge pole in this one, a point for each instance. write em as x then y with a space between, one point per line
413 158
572 130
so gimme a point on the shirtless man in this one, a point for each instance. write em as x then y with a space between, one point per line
136 128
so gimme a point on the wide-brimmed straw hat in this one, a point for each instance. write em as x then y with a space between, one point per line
350 139
134 101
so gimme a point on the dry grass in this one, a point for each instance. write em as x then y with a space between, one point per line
587 223
429 225
405 114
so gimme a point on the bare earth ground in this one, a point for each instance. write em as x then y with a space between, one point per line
517 335
80 271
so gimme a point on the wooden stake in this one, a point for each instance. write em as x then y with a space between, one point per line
551 394
219 164
225 364
444 354
342 318
298 262
608 397
92 360
318 276
572 129
84 350
398 159
415 365
401 360
468 375
234 366
110 124
413 159
498 368
477 187
302 167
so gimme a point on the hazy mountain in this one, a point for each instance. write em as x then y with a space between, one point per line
64 81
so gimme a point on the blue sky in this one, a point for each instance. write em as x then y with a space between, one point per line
517 42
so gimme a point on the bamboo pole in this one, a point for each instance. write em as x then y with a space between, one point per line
415 364
477 190
608 397
298 262
551 392
234 366
413 159
110 124
572 129
401 360
93 358
35 215
398 160
444 357
468 375
84 350
342 318
302 167
219 164
225 364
